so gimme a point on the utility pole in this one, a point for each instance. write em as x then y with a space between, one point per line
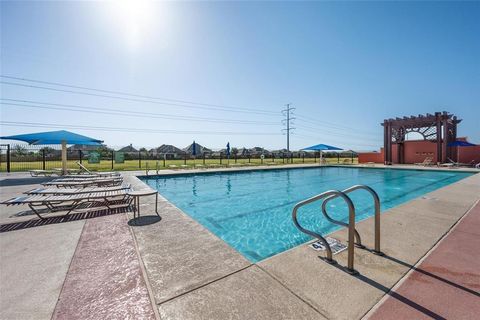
288 112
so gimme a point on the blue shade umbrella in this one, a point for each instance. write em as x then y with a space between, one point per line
321 147
54 137
228 150
62 137
194 149
460 143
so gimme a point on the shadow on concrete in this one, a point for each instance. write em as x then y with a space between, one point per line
393 294
144 221
400 297
60 219
10 182
429 274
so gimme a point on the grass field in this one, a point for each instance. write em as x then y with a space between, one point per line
106 165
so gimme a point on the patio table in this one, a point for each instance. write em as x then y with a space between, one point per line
136 194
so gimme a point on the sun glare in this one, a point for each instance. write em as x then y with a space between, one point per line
134 18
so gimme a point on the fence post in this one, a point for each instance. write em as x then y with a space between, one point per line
283 157
303 157
291 158
80 155
352 157
338 157
220 158
113 156
139 160
164 160
314 156
273 157
235 158
204 158
249 157
185 159
8 157
43 158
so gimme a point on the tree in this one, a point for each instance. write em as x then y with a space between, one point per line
47 150
104 151
20 150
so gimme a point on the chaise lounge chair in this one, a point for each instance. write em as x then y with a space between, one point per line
104 174
63 191
426 162
85 183
42 173
80 201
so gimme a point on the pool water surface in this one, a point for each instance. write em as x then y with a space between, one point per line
251 210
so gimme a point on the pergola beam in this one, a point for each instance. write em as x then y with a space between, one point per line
441 125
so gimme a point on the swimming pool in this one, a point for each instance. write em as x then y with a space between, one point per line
251 210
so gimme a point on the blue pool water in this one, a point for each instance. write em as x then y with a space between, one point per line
251 211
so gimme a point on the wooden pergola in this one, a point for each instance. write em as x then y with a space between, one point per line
440 128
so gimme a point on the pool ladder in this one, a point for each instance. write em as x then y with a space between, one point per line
353 235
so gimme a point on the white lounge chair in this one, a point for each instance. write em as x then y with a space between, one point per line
426 162
84 201
85 183
85 169
43 173
63 191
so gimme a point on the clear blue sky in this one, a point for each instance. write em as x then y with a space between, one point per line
344 66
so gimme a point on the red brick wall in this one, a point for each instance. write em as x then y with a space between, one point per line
417 150
376 157
467 154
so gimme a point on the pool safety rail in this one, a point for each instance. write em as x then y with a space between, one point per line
354 238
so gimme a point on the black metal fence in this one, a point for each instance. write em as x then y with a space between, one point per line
30 157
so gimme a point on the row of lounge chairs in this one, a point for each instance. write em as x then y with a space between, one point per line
428 161
82 192
70 172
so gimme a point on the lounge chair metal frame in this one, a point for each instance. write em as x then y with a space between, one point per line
66 191
73 202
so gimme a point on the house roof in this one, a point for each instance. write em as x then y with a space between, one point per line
168 148
198 148
129 148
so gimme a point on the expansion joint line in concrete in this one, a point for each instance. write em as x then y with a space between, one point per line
68 269
418 263
144 272
205 284
296 295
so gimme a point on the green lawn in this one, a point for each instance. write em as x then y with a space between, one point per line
106 165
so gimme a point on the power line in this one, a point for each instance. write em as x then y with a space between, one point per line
339 141
99 110
127 94
288 118
322 131
178 103
334 126
122 129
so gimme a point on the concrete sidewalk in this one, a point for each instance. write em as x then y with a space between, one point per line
446 284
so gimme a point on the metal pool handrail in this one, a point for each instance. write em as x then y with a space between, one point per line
351 225
376 199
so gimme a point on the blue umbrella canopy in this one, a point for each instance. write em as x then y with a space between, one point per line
321 147
194 149
460 143
54 137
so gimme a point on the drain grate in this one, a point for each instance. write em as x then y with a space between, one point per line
335 245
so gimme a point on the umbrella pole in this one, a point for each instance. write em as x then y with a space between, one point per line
64 157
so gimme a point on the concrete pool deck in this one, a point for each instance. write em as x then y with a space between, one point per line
186 272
